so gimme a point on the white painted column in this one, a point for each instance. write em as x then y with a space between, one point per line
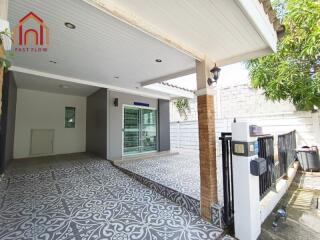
4 9
315 127
245 186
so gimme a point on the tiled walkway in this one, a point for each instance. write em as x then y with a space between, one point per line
82 197
180 172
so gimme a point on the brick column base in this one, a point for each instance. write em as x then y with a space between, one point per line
207 146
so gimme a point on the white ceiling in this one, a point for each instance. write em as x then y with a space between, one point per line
33 82
222 30
106 50
100 48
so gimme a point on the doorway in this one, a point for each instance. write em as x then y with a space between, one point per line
139 130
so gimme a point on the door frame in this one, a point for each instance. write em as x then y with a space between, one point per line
122 129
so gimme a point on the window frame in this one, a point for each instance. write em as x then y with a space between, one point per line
66 122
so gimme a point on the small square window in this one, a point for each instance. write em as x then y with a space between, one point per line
70 117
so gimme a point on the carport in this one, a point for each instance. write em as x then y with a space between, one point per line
121 46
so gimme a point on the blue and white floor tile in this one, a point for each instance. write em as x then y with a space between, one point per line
83 197
180 172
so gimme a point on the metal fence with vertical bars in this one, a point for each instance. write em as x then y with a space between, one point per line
275 169
266 151
286 151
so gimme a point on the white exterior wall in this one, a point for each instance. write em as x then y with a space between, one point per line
43 110
244 104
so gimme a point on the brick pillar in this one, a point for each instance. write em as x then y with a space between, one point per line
207 141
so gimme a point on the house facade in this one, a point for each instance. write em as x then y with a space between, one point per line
87 89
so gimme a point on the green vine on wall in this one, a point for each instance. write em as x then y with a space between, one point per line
4 61
182 105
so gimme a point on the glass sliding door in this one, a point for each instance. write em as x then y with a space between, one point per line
139 130
131 131
149 130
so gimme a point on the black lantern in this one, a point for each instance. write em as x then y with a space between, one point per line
215 73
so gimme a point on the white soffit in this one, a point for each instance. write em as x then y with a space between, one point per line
173 92
48 76
40 83
224 31
98 50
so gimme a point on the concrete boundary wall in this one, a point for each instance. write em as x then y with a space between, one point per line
184 135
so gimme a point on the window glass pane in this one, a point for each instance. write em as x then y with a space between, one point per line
70 117
131 130
149 130
140 130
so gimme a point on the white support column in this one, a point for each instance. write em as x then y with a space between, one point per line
4 9
316 127
247 221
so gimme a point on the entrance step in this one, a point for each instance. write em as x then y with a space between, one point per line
176 195
183 200
143 156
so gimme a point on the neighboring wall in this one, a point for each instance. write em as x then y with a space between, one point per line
43 110
115 119
7 122
245 104
97 123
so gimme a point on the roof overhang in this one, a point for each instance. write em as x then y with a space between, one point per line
151 17
129 35
255 11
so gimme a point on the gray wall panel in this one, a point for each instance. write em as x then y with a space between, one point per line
164 125
7 123
96 130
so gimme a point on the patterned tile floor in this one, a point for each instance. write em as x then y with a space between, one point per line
83 197
180 172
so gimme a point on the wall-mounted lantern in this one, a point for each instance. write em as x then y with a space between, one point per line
215 71
116 102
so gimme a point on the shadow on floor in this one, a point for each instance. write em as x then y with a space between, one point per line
303 218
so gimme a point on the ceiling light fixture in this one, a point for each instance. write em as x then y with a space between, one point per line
64 86
69 25
158 60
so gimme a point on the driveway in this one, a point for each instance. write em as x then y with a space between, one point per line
83 197
302 202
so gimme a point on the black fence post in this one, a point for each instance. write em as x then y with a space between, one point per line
228 210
